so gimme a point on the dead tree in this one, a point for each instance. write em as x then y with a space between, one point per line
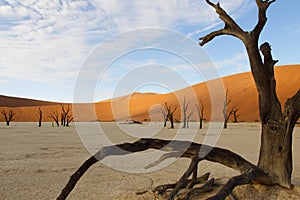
275 159
63 115
275 156
226 113
8 116
188 119
184 111
66 115
54 115
200 112
69 119
40 115
165 115
170 113
235 111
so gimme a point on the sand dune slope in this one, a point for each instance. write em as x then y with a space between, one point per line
146 106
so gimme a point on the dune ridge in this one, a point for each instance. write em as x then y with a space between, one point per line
145 106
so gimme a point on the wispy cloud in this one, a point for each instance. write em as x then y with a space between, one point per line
47 41
237 64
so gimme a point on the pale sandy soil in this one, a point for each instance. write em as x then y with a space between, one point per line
35 163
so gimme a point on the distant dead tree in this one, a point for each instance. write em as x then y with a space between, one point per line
235 111
66 115
200 112
184 111
69 119
226 113
55 117
8 116
40 114
188 119
165 115
170 113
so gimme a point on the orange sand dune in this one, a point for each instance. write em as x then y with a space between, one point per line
146 106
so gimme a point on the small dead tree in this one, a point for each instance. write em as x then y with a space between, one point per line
69 119
188 119
235 113
226 113
170 113
54 115
8 116
40 115
165 115
184 111
200 112
66 115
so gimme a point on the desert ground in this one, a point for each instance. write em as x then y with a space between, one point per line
37 162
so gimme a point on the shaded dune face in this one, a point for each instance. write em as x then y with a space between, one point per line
146 106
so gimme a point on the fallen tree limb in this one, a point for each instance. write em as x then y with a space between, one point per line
194 151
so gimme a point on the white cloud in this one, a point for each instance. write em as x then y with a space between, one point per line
237 64
47 41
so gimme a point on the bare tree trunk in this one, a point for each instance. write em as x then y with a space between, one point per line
40 114
170 114
201 124
276 137
276 157
165 115
171 121
226 114
235 114
200 111
184 111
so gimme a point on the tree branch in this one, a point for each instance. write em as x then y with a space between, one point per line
242 179
231 27
292 108
262 18
269 105
188 149
212 35
269 63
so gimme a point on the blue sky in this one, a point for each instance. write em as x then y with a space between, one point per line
44 44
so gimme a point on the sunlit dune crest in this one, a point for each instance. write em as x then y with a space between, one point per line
145 106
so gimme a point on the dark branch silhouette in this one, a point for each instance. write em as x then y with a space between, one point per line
200 112
54 115
170 113
40 115
226 113
8 116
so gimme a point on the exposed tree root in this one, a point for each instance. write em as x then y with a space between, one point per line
163 188
196 152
